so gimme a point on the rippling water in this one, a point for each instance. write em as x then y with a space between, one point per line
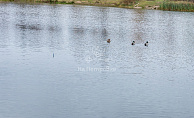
55 62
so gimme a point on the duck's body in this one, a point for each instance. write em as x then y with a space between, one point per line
146 44
108 41
133 43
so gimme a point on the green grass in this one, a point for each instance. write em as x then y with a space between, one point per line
144 3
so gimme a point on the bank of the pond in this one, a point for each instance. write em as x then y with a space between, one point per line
142 4
88 3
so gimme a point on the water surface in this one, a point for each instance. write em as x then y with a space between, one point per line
55 62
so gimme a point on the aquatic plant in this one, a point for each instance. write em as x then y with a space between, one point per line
177 6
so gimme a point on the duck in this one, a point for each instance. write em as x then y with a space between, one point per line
133 43
108 41
146 44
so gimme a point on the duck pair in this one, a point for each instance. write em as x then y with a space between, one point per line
146 44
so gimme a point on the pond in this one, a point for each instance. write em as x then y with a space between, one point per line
55 62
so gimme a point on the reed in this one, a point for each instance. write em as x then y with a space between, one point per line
177 6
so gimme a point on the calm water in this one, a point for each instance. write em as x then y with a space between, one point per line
55 62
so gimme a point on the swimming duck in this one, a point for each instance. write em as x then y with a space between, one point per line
146 44
108 41
133 43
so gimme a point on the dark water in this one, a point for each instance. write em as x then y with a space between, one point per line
55 62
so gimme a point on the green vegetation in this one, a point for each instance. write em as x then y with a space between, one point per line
150 3
145 4
177 6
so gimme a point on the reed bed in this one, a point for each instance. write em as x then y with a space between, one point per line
177 6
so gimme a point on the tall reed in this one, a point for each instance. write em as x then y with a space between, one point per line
177 6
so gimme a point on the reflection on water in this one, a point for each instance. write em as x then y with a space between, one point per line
119 80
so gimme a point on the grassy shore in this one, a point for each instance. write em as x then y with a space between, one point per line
141 4
136 4
109 3
152 4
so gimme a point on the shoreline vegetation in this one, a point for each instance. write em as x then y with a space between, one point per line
168 5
